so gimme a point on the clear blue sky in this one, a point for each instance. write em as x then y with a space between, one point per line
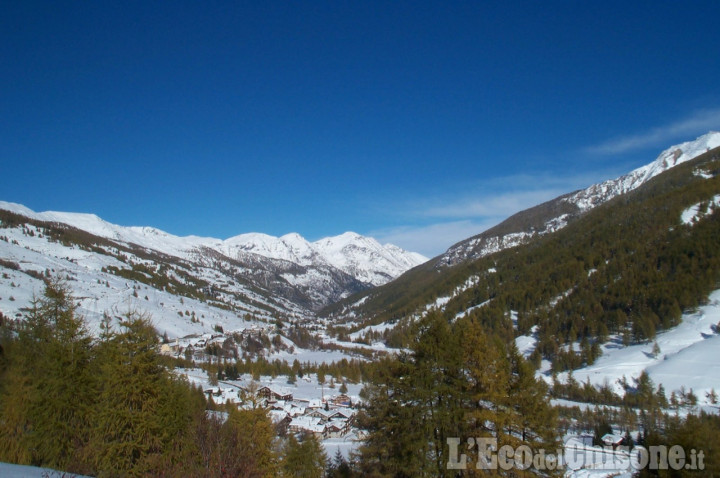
420 123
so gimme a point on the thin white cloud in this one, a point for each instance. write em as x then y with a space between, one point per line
434 224
500 204
499 197
699 122
433 239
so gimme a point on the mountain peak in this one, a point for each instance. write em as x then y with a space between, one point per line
557 213
669 158
359 256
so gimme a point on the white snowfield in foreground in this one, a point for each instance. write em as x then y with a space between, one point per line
689 356
8 470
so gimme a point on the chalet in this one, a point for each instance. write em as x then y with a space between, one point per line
336 429
610 439
308 425
274 394
213 391
344 414
341 401
280 418
322 414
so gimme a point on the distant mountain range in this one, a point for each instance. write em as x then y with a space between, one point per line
249 275
362 258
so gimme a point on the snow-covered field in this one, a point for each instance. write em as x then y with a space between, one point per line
689 356
8 470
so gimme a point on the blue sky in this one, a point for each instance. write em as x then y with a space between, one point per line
420 123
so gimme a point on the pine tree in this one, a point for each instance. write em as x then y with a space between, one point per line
303 458
140 408
51 384
15 423
253 434
712 396
656 349
394 445
339 467
534 418
457 382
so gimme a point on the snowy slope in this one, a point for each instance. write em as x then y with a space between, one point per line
148 237
360 257
365 258
557 213
689 356
671 157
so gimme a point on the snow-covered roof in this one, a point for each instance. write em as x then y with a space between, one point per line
311 424
612 439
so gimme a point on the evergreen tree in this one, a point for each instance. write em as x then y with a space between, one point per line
303 458
50 386
458 381
656 349
338 467
712 396
140 407
254 435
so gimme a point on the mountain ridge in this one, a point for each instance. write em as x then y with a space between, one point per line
457 272
555 214
362 263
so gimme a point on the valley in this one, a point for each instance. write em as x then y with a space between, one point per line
606 300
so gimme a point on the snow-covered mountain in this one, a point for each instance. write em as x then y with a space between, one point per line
360 257
671 157
555 214
251 275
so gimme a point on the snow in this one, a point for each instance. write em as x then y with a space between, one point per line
671 157
346 445
689 356
359 256
8 470
584 461
314 356
98 292
441 302
305 390
700 210
526 343
703 174
466 312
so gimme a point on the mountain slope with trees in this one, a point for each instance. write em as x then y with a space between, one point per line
628 267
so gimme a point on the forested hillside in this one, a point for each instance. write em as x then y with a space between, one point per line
628 267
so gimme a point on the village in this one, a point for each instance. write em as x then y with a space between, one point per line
330 416
308 405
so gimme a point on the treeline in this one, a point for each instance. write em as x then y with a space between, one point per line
111 406
352 370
